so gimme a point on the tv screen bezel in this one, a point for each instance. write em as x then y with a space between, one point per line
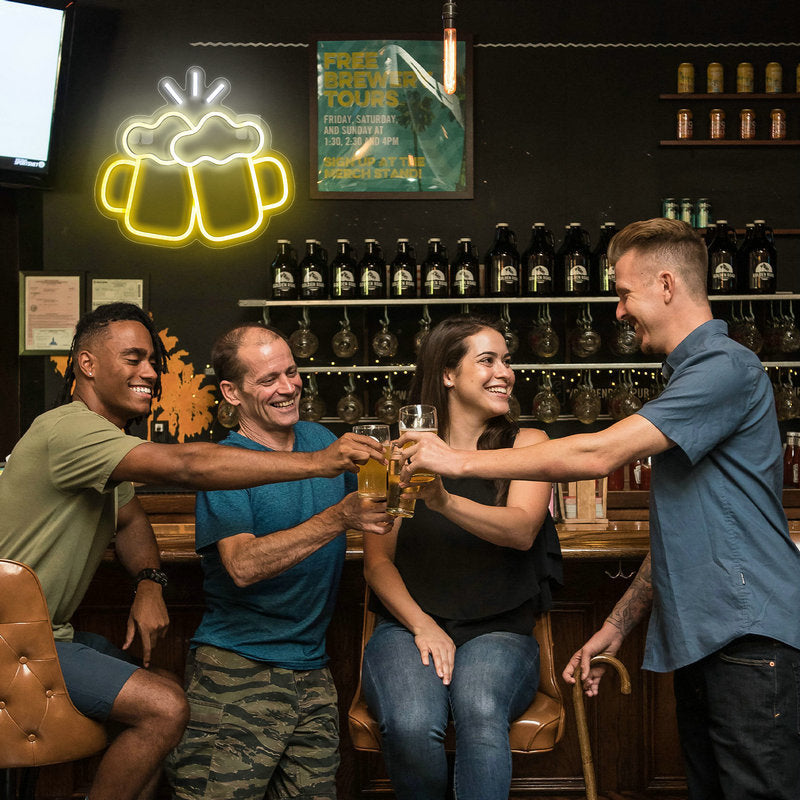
21 177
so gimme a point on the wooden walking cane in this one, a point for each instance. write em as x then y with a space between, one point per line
580 717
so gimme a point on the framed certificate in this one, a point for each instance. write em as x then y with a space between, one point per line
50 306
381 123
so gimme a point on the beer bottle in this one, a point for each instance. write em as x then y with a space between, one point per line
372 271
722 260
343 272
605 277
283 272
465 271
794 469
575 263
403 273
502 263
538 263
435 270
762 261
313 272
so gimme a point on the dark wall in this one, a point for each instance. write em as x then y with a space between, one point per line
561 133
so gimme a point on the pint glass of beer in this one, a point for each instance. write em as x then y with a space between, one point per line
396 504
372 475
418 418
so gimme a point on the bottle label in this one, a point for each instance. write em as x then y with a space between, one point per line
578 274
464 277
508 273
345 280
723 271
435 279
371 280
312 280
283 281
402 280
763 271
795 474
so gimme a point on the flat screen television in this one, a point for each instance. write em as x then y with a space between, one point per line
34 48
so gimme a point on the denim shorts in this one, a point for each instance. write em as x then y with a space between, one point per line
94 672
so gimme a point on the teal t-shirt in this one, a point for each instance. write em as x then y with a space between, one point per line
281 620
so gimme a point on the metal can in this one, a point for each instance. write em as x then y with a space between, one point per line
703 214
684 123
777 127
714 80
685 78
747 124
774 78
717 123
744 77
687 211
670 208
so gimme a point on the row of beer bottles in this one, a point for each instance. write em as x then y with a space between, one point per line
749 267
541 271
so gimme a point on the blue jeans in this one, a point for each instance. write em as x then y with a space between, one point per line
739 722
494 680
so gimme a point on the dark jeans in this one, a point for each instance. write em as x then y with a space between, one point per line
739 722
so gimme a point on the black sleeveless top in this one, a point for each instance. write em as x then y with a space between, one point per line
471 586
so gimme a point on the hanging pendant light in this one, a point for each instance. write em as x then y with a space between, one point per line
449 47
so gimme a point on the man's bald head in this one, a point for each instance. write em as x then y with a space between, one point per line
225 352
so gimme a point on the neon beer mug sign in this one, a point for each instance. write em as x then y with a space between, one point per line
194 171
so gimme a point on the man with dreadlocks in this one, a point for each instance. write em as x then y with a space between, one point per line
66 492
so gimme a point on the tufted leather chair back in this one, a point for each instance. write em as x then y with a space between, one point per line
38 723
538 730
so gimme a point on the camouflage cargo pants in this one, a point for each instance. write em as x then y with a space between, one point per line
255 731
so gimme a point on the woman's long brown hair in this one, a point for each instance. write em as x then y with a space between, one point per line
443 349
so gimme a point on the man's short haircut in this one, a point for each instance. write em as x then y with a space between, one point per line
95 323
671 243
225 352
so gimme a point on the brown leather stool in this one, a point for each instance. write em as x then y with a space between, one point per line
538 730
38 723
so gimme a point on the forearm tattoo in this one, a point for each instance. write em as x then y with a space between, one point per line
635 603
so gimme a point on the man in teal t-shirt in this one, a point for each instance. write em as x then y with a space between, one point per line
264 718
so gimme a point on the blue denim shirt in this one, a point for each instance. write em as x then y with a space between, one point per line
723 563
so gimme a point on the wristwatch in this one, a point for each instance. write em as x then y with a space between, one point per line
150 574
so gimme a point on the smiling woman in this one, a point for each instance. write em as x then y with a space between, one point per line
460 584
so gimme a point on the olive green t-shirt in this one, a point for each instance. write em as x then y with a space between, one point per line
58 504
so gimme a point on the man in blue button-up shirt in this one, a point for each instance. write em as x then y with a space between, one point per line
722 580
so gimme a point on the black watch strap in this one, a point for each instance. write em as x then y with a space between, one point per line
150 574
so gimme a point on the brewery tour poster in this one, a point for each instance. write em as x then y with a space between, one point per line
382 125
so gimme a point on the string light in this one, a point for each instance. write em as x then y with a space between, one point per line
449 47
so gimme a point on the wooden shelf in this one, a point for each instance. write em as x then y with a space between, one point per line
732 96
730 142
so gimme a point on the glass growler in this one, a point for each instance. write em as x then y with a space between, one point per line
343 272
722 260
574 261
403 272
313 272
538 263
372 271
435 270
465 271
502 264
283 273
762 261
605 275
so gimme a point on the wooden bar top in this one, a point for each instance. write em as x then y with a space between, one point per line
172 517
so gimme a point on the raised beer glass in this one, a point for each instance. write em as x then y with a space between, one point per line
372 475
418 418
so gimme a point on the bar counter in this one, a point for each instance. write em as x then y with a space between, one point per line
634 737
